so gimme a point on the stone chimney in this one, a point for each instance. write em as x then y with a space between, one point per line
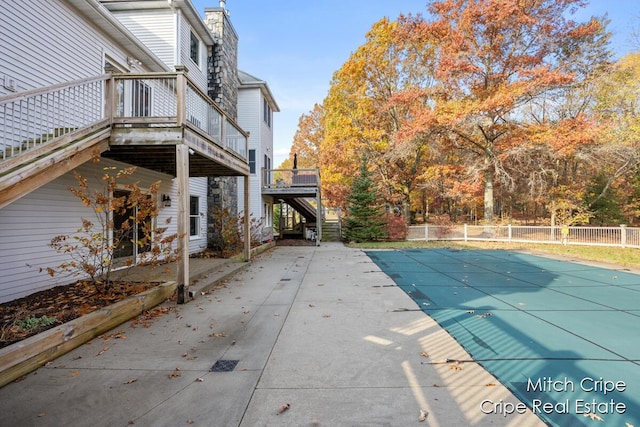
223 61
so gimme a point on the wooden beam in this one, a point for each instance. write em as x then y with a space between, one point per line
29 354
182 177
247 221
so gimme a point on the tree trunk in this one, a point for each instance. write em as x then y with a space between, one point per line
488 196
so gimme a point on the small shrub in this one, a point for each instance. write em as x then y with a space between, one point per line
396 227
33 322
93 250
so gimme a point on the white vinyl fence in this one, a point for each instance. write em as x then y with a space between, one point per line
621 236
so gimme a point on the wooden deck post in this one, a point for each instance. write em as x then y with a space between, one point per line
182 177
247 220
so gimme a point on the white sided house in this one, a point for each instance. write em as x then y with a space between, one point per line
84 78
256 106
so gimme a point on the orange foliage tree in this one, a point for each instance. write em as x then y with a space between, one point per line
363 116
497 62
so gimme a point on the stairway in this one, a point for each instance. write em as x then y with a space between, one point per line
23 173
331 231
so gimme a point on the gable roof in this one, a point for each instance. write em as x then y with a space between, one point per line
247 81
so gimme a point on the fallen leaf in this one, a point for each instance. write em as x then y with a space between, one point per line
101 352
42 414
283 408
114 335
131 381
174 374
190 421
423 415
424 354
75 373
199 380
326 315
218 335
490 385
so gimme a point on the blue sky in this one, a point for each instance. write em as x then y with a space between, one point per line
297 45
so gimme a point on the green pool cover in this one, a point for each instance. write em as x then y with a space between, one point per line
564 337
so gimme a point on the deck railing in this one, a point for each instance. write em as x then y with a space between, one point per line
170 99
285 178
621 236
34 118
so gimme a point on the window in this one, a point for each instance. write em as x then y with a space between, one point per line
195 49
266 111
267 168
194 216
252 161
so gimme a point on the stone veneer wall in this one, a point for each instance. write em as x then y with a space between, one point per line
223 61
223 89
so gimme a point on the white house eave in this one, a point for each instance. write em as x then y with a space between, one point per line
101 18
185 6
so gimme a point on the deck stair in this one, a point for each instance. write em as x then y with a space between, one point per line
34 167
331 231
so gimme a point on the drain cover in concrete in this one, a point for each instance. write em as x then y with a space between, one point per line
224 365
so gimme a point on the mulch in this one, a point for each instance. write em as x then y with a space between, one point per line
64 303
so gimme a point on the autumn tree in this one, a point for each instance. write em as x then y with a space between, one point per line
362 118
495 59
616 161
308 138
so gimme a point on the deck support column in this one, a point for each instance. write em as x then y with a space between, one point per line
247 221
182 177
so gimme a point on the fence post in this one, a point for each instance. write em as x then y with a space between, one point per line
509 228
426 233
623 235
465 232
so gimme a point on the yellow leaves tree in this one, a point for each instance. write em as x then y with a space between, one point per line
363 118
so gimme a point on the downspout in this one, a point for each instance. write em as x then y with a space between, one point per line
178 29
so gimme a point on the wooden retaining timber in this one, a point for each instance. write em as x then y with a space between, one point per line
29 354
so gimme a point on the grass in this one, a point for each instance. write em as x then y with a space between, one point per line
626 257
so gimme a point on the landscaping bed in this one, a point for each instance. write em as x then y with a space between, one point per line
28 354
40 311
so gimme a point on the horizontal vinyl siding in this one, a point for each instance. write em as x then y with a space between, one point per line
197 72
44 42
28 225
249 120
155 29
